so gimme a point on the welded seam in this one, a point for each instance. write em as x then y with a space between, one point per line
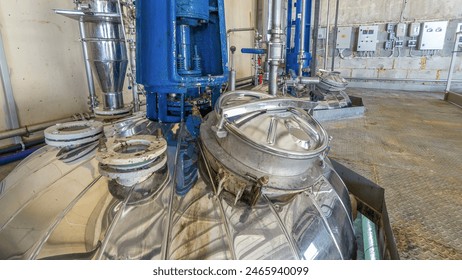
168 227
42 165
227 229
326 224
39 245
222 210
347 211
39 194
289 238
113 225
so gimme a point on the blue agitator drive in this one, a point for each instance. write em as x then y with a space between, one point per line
294 24
181 55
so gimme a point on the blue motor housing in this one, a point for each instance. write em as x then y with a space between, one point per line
294 22
181 55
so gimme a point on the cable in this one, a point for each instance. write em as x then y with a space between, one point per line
392 52
402 11
342 56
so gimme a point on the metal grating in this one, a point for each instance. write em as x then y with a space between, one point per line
411 145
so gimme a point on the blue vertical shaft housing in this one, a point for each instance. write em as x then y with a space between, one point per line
294 23
181 55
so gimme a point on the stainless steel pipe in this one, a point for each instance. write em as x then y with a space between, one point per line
93 100
26 130
301 54
453 61
275 48
232 71
314 48
326 49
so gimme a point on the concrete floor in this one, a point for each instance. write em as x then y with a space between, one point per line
411 145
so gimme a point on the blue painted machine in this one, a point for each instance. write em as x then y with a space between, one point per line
297 45
182 55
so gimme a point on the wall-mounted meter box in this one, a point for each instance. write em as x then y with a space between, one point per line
400 30
367 38
433 35
414 29
344 37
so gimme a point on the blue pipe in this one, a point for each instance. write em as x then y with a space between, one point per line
253 51
17 156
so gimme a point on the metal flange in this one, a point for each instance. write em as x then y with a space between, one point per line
132 160
73 133
113 114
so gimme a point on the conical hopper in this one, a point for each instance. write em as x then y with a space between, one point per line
104 40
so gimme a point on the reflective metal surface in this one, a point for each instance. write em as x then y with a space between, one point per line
331 81
104 40
50 209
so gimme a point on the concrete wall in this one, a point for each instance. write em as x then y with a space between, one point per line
241 14
45 61
418 65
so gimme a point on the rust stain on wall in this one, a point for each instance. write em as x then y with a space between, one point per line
438 74
423 63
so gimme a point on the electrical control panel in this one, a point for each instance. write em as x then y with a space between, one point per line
344 37
400 30
367 38
322 33
433 35
414 29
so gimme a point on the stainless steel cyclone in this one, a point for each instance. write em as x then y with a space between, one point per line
104 41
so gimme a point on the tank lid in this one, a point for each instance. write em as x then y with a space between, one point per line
280 126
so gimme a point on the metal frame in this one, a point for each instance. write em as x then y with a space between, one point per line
12 117
371 203
450 96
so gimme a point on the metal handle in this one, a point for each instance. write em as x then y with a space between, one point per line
265 103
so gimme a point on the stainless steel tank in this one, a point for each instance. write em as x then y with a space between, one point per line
256 184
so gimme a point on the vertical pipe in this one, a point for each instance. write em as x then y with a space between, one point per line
131 47
334 32
275 47
301 54
136 98
88 71
255 57
232 72
13 120
256 9
314 62
326 50
453 61
232 80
